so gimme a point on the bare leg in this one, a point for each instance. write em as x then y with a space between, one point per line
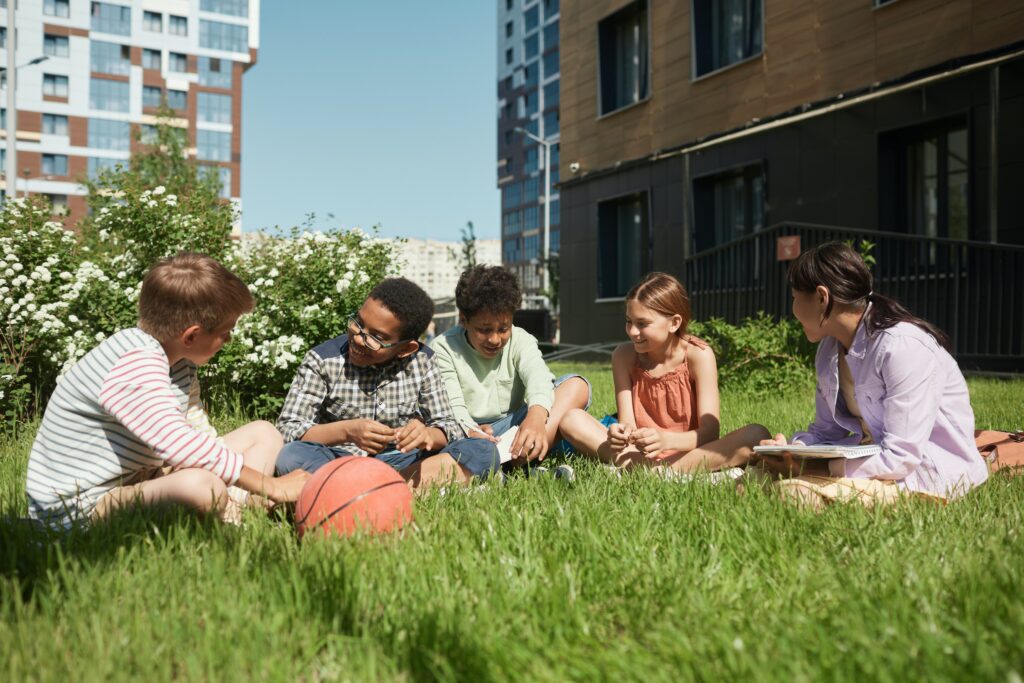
194 488
569 395
437 470
735 449
259 443
590 437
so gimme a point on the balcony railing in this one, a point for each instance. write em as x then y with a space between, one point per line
972 290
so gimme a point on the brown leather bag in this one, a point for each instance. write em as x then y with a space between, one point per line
1001 450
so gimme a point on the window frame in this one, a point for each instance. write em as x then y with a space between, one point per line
650 52
57 40
694 76
647 238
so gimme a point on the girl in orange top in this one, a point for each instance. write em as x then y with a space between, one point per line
666 389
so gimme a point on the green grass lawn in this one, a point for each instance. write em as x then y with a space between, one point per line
611 579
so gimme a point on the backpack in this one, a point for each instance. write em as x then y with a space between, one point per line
1001 450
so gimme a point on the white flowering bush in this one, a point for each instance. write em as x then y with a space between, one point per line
305 286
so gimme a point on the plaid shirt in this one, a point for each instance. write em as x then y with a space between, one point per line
327 388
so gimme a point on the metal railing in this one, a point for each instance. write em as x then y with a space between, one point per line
972 290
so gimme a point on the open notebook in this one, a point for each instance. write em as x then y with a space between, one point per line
505 444
820 451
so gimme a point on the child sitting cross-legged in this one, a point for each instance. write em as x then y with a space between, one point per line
495 374
125 425
376 391
666 390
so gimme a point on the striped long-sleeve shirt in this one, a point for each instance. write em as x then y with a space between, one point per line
119 410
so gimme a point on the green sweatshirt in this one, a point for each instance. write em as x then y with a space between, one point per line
484 390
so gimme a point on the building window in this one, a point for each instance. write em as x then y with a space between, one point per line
531 217
223 177
508 56
106 95
177 99
509 29
53 46
623 244
551 95
57 8
178 62
725 32
151 59
529 103
56 86
530 164
212 145
550 64
531 186
623 55
234 8
58 204
148 134
98 165
728 206
3 37
508 5
214 108
925 180
108 18
107 134
153 21
214 72
531 74
510 195
110 58
531 47
54 124
531 247
550 8
217 35
152 96
551 35
551 123
556 218
55 164
177 26
531 18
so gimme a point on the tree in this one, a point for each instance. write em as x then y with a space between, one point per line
468 246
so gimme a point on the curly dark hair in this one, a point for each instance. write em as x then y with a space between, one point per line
408 302
487 288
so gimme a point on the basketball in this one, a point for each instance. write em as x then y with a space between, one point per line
353 494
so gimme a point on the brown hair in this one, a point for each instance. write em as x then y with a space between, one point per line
663 294
840 269
190 289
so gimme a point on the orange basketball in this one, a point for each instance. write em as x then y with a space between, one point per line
351 494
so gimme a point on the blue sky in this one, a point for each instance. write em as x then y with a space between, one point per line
376 112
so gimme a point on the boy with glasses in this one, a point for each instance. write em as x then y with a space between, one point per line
376 391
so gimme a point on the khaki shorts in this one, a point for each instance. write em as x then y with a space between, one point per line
819 491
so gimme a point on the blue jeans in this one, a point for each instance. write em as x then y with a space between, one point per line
479 456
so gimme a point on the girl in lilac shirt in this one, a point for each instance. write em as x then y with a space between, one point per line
884 377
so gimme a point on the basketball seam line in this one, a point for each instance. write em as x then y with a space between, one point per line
319 490
358 498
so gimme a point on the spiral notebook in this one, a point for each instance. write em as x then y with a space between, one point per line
820 451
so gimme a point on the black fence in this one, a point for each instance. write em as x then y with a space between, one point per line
972 290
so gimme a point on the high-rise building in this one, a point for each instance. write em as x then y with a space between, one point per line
528 93
436 265
107 67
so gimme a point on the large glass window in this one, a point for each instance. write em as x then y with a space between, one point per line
624 60
99 164
107 134
550 64
531 163
53 124
177 99
531 217
177 61
531 247
235 8
531 74
551 35
55 164
531 46
110 58
551 95
531 18
531 186
107 95
54 46
213 145
217 35
551 123
57 8
550 8
623 244
556 218
214 108
152 96
110 18
214 72
725 32
56 86
223 176
151 59
511 195
177 26
153 21
3 37
728 206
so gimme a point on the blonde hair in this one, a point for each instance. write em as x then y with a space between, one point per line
190 289
663 294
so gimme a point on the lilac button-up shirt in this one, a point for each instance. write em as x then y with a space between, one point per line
914 400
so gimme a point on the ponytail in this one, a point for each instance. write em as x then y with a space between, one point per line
886 312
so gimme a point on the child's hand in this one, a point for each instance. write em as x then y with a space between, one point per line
531 440
412 436
481 432
619 436
370 435
779 440
649 441
286 489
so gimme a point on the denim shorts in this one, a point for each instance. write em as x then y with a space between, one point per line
516 417
479 456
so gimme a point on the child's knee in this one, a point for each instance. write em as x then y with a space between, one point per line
578 391
755 433
203 489
266 433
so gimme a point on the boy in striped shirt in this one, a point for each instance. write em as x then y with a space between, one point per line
125 425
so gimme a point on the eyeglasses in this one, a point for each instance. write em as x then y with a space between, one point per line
355 329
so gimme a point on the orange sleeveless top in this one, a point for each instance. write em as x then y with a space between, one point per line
668 402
